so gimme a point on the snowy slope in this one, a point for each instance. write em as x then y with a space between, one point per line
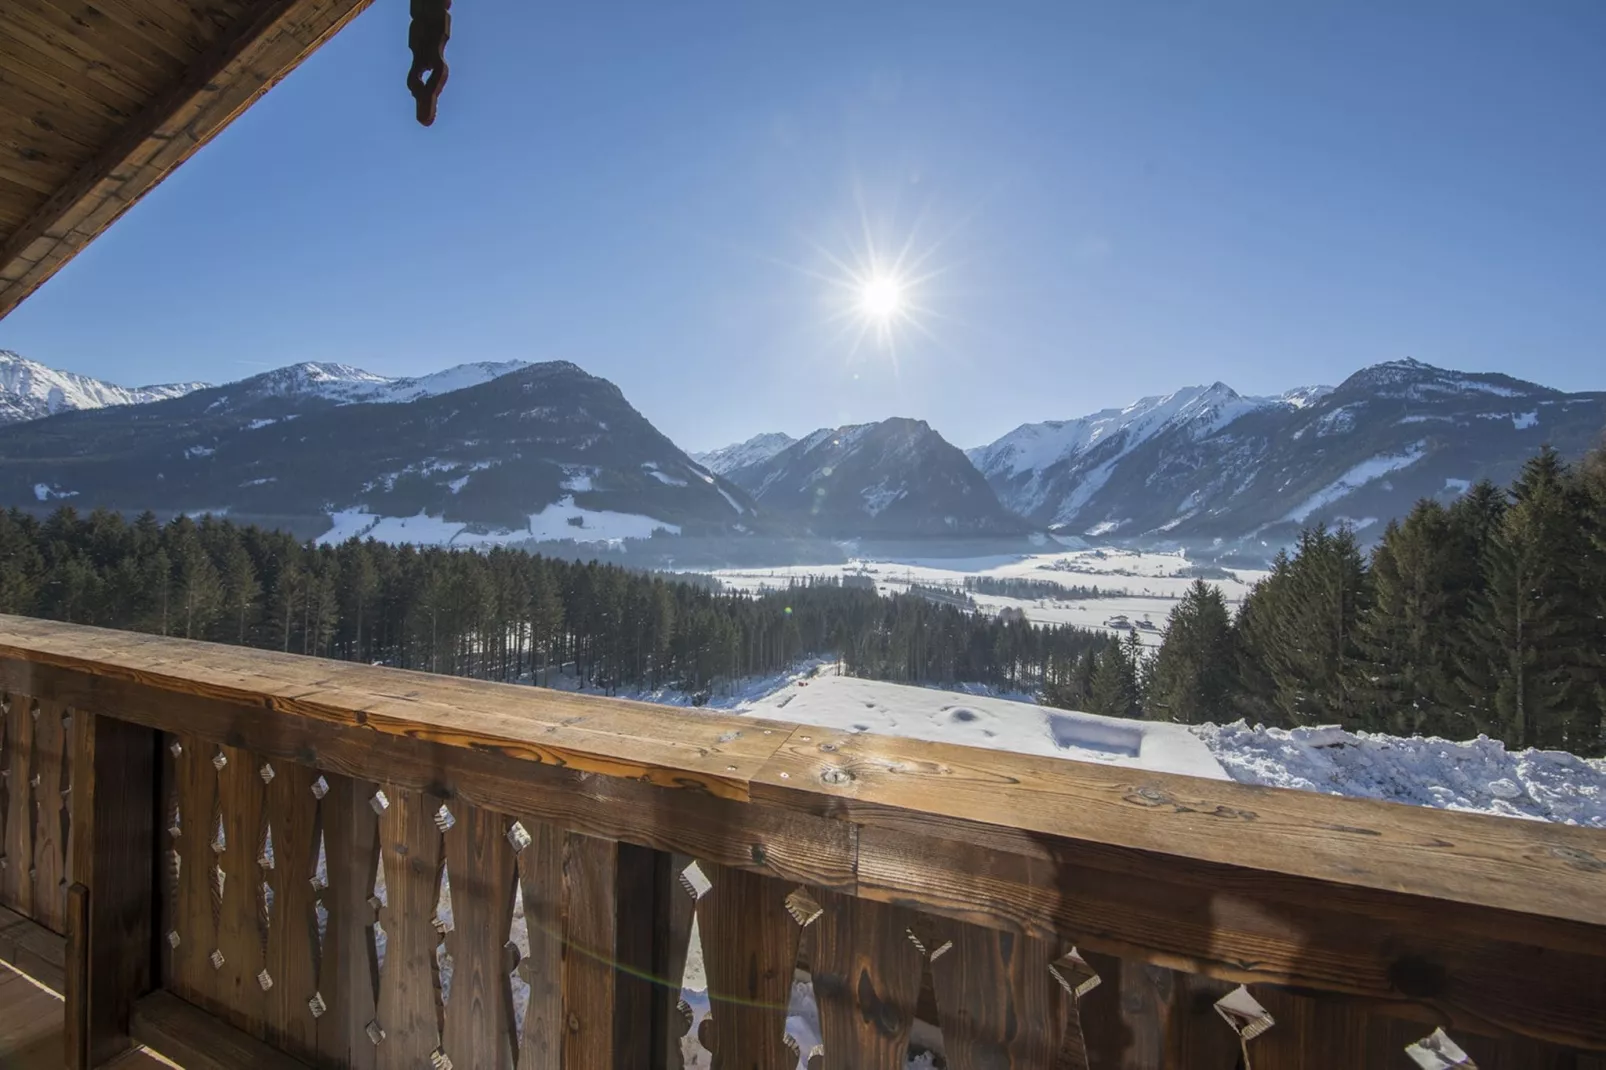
1207 467
755 450
29 390
347 385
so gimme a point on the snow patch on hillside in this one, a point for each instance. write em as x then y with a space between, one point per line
755 450
1355 478
562 521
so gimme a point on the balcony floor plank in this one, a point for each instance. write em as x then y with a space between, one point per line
31 1029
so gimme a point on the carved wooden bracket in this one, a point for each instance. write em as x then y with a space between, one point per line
426 37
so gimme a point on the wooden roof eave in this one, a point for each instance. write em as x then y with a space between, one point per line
267 41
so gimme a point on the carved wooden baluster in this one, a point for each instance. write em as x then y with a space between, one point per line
866 982
541 882
750 943
405 1030
291 959
191 930
238 954
49 866
479 1015
999 1002
16 853
345 1000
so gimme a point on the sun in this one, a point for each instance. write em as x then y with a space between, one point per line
881 297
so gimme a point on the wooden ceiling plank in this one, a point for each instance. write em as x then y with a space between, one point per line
88 128
263 46
192 26
134 24
30 141
94 41
21 48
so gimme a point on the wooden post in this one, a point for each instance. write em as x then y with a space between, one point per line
114 815
76 1030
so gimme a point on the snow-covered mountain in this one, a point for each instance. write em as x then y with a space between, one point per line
540 452
346 385
755 450
30 390
1206 464
894 478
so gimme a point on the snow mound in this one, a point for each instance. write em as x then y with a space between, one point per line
1477 776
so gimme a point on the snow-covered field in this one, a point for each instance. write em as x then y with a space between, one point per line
1135 586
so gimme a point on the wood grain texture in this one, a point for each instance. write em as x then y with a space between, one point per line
16 847
292 951
1000 1007
590 954
49 766
750 946
240 930
480 1030
115 804
347 969
541 882
177 82
409 1008
33 949
191 915
75 989
866 982
196 1040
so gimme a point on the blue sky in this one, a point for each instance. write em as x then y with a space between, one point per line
1118 199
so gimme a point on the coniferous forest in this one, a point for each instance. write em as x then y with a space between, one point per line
1484 616
500 615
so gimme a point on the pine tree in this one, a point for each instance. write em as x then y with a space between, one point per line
1532 654
1114 689
1193 671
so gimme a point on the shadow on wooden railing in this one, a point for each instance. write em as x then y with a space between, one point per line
267 860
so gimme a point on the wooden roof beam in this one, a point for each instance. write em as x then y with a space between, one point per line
265 44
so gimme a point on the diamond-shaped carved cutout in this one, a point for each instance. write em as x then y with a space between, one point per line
218 880
518 836
320 788
265 856
173 939
1438 1052
220 838
375 1033
804 910
216 959
444 819
1074 974
438 1060
219 760
175 748
265 979
266 773
695 881
379 802
316 1005
1244 1013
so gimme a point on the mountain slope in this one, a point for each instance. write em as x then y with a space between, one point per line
893 478
755 450
545 451
1207 465
29 390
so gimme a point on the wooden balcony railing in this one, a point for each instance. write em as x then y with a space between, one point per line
267 860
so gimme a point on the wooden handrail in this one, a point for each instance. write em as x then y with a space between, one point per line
1488 924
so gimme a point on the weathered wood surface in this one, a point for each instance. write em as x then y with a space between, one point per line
33 949
114 810
1473 920
111 96
866 982
409 1010
480 1028
1000 1007
750 945
196 1040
